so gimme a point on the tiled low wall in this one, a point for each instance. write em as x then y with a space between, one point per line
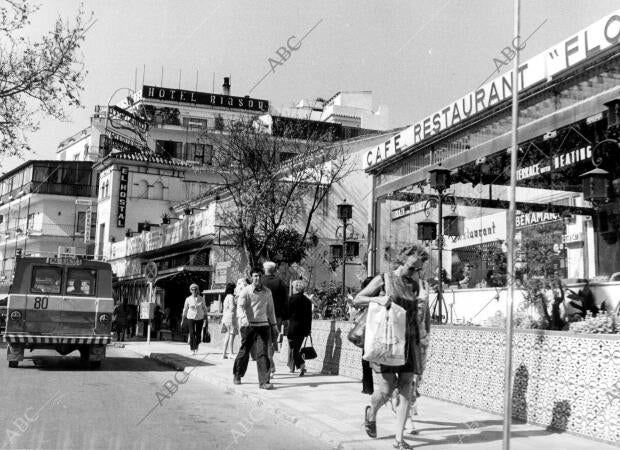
563 381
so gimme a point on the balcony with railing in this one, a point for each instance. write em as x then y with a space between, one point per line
194 226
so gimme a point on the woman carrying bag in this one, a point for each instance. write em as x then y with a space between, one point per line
299 325
402 290
195 312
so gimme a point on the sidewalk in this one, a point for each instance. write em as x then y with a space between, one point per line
331 408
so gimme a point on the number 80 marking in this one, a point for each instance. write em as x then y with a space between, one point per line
40 302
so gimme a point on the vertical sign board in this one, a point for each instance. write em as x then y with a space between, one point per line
122 198
221 272
87 224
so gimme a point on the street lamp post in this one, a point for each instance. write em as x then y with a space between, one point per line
345 213
450 225
596 188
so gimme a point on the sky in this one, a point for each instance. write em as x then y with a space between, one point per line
415 56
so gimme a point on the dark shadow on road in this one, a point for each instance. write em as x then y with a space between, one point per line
110 364
311 384
180 360
475 436
333 347
458 425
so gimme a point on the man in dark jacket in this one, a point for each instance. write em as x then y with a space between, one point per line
279 292
300 324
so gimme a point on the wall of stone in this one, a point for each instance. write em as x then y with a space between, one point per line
562 381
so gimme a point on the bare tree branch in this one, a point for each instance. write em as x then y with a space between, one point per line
43 77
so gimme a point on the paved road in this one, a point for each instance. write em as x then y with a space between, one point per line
51 401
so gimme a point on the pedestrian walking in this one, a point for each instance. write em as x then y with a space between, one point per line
229 319
195 311
403 291
367 383
299 324
157 320
424 325
120 316
132 317
279 292
257 321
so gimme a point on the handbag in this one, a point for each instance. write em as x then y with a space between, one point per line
308 352
356 333
206 336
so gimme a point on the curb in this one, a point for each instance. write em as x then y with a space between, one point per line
309 426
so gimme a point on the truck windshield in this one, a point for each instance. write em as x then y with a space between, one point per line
81 281
46 280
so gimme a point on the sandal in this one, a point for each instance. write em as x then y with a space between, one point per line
401 445
370 425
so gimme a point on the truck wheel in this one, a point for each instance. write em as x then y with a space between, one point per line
13 364
95 365
84 353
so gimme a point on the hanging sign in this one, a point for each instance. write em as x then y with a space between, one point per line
585 44
121 210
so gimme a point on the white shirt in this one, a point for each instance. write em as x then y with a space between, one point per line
195 308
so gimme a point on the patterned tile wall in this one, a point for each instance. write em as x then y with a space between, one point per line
561 381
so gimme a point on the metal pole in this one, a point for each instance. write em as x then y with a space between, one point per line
511 235
344 255
148 332
440 256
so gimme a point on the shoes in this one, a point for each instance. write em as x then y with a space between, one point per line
370 425
302 372
267 386
224 356
401 445
237 380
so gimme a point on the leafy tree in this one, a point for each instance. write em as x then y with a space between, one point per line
287 246
37 77
272 184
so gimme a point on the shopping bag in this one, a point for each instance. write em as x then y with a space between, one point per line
384 342
356 334
206 336
308 352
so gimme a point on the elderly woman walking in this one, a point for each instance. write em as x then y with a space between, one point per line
229 319
299 324
402 289
195 312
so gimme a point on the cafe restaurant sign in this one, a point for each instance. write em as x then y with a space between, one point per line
585 44
204 98
479 230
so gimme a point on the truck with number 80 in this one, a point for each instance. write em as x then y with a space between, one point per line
64 304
